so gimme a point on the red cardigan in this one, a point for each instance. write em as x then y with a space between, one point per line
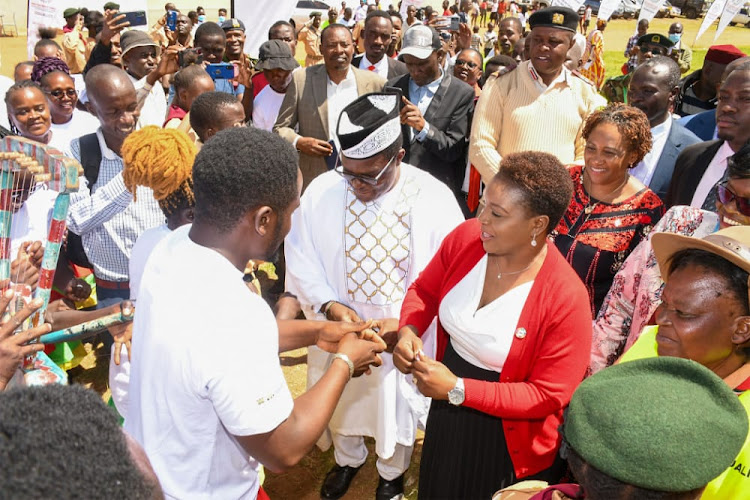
543 367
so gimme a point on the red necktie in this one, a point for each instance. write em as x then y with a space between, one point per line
371 67
475 180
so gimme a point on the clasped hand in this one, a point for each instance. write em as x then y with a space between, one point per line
433 378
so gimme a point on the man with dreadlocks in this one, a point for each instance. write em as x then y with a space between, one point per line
162 160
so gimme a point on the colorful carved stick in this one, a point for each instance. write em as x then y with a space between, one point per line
59 173
88 329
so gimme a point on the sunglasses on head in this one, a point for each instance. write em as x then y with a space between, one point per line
726 196
372 181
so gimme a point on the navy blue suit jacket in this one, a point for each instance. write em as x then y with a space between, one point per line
678 139
703 124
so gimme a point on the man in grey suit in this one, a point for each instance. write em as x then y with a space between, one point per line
435 114
653 89
315 98
377 36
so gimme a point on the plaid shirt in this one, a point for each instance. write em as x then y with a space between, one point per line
107 218
632 60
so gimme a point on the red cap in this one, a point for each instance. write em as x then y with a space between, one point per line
723 54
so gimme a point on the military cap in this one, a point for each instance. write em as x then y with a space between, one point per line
71 11
232 24
656 39
111 6
315 13
664 423
555 17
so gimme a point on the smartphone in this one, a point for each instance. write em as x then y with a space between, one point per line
172 20
221 71
187 57
446 23
135 18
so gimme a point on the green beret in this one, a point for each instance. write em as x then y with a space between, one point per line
664 423
315 13
111 6
555 17
656 39
71 11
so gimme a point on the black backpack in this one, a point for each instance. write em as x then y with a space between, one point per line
91 158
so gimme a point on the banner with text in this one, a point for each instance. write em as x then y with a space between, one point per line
606 8
730 10
649 9
712 15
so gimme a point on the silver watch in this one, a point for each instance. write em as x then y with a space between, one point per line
457 395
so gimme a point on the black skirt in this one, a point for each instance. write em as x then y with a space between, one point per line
464 455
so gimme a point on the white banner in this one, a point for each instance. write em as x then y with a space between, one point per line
711 16
606 8
42 14
49 14
730 10
571 4
258 18
649 9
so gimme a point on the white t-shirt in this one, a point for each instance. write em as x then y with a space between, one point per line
119 375
81 124
205 368
31 222
266 106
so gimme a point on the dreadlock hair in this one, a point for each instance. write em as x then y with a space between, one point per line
161 159
48 65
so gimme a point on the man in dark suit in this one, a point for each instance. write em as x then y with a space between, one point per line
653 89
377 37
701 166
435 114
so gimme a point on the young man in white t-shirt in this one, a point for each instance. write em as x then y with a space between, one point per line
277 63
208 400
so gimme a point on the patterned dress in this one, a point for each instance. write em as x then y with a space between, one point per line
597 243
593 68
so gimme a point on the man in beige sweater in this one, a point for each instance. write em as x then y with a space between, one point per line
538 106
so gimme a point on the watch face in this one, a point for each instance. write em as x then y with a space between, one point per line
456 396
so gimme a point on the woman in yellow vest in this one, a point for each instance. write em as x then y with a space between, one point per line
705 316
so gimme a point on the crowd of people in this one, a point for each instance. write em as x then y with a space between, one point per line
474 235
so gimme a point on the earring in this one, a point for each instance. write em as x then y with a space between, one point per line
533 240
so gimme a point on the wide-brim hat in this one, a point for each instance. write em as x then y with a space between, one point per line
275 54
136 38
732 243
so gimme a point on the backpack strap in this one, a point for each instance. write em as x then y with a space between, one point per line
91 158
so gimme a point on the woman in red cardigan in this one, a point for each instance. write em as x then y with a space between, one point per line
514 333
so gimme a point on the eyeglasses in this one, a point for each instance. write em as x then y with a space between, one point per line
470 64
726 196
372 181
58 94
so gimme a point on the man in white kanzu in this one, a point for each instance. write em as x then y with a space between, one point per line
361 236
208 400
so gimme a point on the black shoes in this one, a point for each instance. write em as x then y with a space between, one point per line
390 490
337 482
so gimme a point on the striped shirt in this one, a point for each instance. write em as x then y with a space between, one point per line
107 218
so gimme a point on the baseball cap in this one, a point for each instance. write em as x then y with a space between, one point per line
420 41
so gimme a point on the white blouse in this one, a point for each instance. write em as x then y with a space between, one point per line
482 336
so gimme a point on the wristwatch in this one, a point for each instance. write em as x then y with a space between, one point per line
457 395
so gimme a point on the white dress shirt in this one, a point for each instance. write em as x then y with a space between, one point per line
644 171
381 67
339 96
712 175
